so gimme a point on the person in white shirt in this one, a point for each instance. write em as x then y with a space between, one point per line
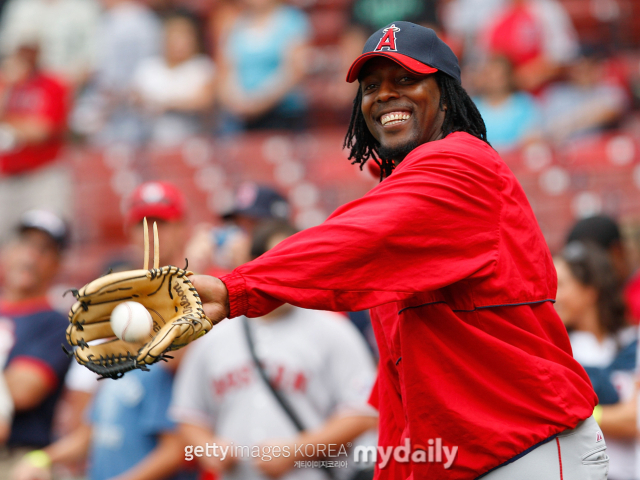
129 32
176 90
65 30
317 361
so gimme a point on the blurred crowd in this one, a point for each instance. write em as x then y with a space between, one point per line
58 422
154 72
92 74
160 72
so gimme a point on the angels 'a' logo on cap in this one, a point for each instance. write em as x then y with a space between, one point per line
388 40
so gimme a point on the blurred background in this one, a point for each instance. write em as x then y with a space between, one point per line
214 116
97 97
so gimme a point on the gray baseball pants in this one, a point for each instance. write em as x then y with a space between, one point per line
578 454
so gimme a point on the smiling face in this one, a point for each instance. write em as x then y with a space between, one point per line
401 109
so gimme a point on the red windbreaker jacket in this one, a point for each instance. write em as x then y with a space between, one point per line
449 257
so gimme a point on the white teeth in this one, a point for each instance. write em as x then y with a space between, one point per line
394 117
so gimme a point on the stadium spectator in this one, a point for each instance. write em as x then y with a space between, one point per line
6 402
511 117
148 431
198 7
262 61
586 103
164 204
217 249
127 434
33 108
2 5
316 360
605 232
537 37
590 303
36 364
177 89
464 20
255 203
222 248
372 15
65 31
159 202
129 33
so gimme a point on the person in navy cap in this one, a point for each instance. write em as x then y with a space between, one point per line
31 332
255 203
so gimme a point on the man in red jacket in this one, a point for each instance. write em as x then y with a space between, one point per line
447 254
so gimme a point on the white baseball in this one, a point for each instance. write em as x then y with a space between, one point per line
131 322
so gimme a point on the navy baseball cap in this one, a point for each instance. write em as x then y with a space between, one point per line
416 48
46 222
259 202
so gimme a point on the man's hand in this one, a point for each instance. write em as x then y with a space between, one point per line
278 464
216 463
199 435
619 420
25 470
214 295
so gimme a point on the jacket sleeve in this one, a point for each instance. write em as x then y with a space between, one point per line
433 222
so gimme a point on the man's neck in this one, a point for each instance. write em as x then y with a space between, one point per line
399 158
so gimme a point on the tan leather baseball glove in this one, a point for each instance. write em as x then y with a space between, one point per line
168 295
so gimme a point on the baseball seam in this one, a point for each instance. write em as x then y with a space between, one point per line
127 323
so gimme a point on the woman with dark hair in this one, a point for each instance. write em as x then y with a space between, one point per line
589 293
590 303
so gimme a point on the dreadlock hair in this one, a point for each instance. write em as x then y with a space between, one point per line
461 115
